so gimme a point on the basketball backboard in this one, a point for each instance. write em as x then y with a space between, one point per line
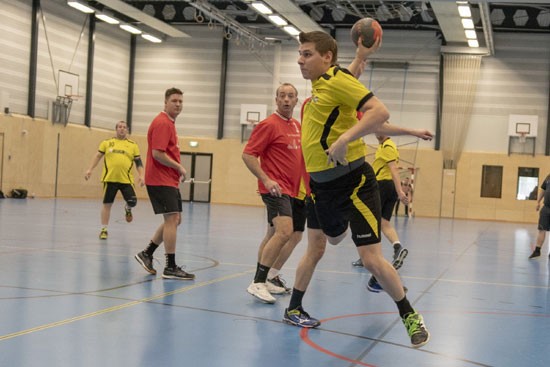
252 114
67 84
526 125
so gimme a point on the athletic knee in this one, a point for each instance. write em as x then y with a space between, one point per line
374 265
315 253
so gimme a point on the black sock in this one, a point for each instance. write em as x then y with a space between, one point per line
261 273
396 245
150 248
171 260
296 299
404 307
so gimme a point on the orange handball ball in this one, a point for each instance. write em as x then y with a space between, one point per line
367 28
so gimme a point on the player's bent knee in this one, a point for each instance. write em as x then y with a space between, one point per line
132 202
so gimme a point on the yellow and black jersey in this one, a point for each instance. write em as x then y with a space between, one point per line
387 152
336 97
118 160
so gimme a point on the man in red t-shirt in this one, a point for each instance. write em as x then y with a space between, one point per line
163 174
274 155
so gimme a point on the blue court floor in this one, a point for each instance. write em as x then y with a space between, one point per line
70 299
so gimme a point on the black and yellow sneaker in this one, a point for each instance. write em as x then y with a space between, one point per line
414 323
128 214
103 234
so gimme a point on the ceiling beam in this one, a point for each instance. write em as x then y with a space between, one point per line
447 16
485 14
146 19
450 23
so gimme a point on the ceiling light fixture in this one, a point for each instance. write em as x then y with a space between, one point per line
107 18
151 38
473 43
79 6
467 23
261 8
464 11
129 28
470 34
277 20
291 30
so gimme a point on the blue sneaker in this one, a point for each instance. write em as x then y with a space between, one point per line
373 285
299 317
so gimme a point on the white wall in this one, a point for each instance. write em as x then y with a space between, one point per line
513 81
15 30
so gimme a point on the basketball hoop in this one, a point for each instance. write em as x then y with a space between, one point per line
522 137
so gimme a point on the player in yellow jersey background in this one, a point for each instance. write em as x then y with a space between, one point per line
120 155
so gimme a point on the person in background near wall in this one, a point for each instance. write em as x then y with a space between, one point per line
533 194
119 155
389 185
274 155
544 216
406 185
163 173
343 185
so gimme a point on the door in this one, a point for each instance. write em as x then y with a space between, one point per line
448 193
198 183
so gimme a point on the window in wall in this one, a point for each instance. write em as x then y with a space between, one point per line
528 183
491 182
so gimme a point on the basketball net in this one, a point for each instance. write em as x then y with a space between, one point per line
522 137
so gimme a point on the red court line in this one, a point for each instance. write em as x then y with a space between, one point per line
304 332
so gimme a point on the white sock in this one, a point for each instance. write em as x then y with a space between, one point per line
272 273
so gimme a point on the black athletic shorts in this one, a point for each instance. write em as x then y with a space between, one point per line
110 190
544 218
388 198
277 206
353 200
165 199
299 213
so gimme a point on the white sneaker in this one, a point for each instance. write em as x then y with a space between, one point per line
259 290
274 289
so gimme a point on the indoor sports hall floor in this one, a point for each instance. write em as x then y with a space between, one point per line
69 299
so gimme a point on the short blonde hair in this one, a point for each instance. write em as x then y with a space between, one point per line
323 43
